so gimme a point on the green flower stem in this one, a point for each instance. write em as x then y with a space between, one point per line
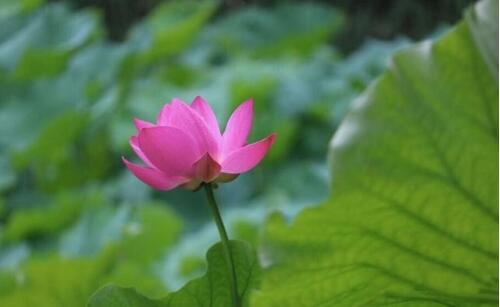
225 243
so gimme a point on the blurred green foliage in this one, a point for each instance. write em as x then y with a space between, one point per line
381 19
72 219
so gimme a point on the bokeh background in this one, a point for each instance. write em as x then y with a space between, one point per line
73 75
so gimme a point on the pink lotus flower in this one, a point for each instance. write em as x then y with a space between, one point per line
185 147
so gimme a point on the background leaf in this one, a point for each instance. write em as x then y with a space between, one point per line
210 290
106 245
112 296
45 41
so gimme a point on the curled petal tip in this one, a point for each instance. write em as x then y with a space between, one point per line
238 127
247 104
272 138
153 177
141 124
177 100
247 157
201 106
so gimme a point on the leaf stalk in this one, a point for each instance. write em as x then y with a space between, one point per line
225 243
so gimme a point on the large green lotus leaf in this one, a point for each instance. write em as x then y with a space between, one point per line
413 216
484 27
212 289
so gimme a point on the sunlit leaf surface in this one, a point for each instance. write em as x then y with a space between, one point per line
413 216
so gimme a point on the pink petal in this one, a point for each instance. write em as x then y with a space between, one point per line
134 143
247 157
206 169
154 177
141 124
238 127
203 108
189 121
164 115
169 149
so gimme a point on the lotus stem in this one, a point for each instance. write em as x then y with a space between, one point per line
225 243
